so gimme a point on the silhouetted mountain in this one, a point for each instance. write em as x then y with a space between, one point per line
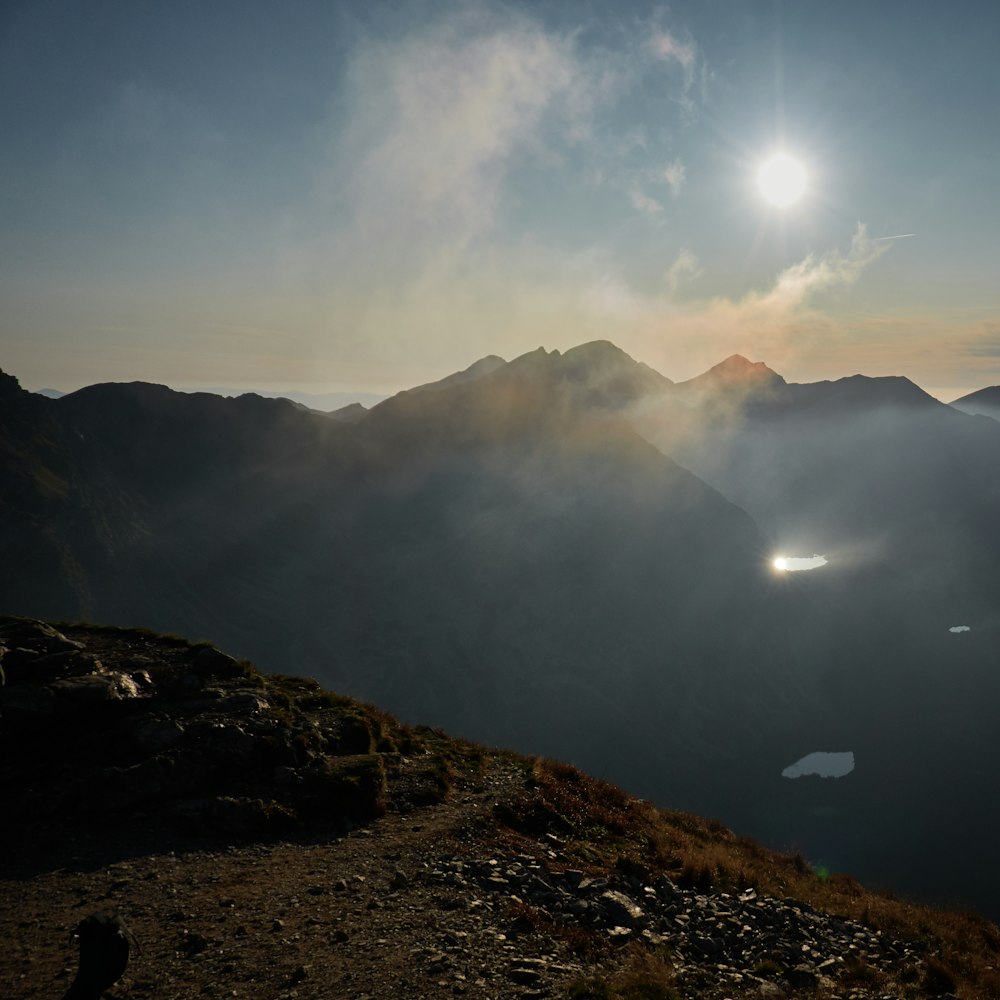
45 530
820 462
597 374
502 556
476 370
508 555
323 402
349 414
984 402
900 494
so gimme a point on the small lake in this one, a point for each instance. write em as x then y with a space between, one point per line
824 763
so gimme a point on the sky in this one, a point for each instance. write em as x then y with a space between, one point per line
347 196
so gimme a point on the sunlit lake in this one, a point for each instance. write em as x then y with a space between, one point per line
797 564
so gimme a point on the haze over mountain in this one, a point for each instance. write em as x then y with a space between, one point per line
983 401
322 401
505 553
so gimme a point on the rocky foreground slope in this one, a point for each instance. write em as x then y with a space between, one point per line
264 838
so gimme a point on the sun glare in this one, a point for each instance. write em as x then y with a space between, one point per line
781 180
797 564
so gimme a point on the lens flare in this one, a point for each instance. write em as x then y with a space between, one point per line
780 563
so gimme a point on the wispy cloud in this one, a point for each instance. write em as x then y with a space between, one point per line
674 175
643 203
434 229
683 270
668 46
796 284
438 122
984 341
782 320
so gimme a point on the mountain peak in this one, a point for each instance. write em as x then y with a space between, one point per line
603 374
597 351
737 368
881 390
478 369
9 385
982 402
737 372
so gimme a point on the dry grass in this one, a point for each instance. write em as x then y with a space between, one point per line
600 822
643 976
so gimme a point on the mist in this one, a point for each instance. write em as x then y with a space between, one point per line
569 554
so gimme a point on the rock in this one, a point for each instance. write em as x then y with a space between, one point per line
525 975
104 953
209 660
770 991
27 707
25 666
802 977
242 703
193 943
36 635
620 909
91 690
151 735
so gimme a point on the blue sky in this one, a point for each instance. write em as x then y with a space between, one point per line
325 196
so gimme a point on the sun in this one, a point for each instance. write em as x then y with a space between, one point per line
781 563
781 180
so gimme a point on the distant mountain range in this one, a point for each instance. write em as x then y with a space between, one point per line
324 402
985 402
569 554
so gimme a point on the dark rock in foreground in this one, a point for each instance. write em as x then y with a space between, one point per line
101 725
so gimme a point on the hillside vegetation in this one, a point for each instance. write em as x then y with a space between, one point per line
262 836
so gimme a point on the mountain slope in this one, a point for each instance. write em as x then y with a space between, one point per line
507 557
503 556
735 373
263 837
984 401
901 495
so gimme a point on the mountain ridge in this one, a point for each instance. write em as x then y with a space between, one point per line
521 558
985 402
736 371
